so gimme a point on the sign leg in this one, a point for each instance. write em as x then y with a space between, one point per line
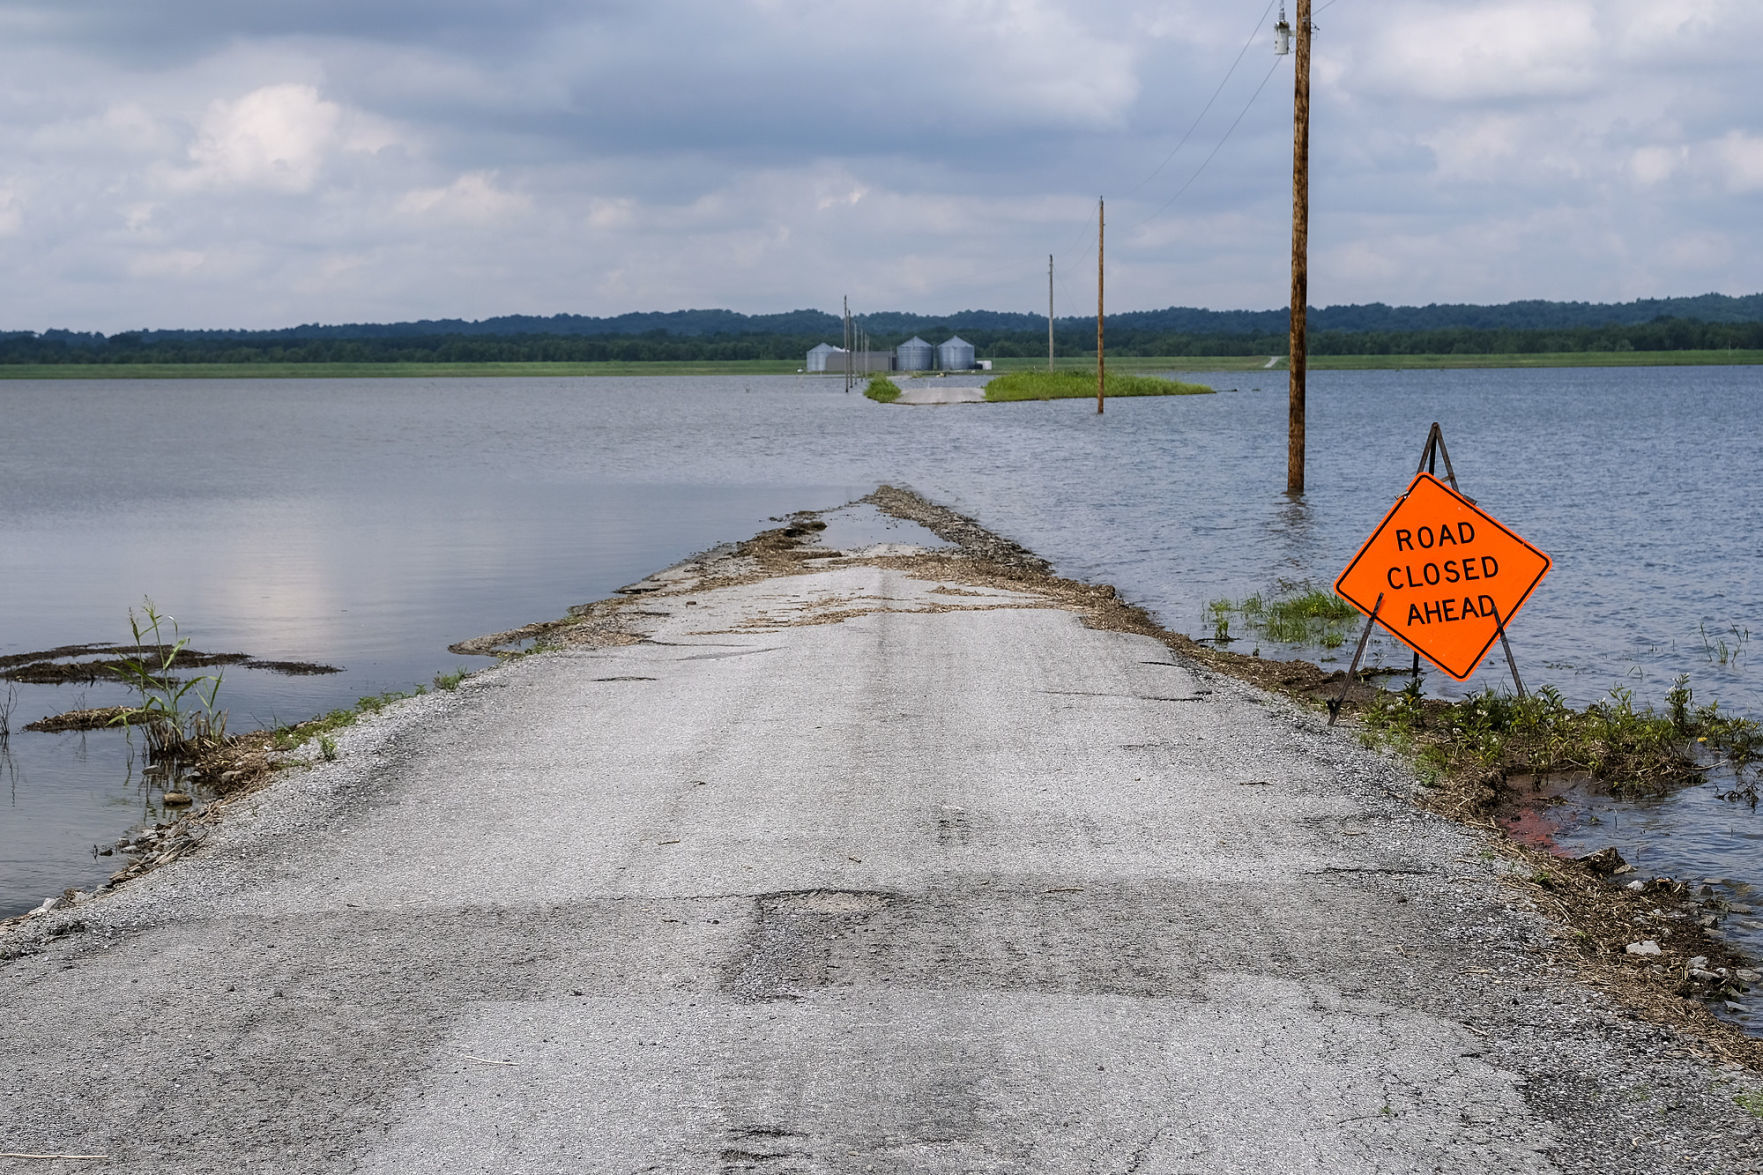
1511 664
1334 703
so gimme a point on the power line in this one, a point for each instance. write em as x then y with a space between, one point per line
1219 146
1261 20
1192 127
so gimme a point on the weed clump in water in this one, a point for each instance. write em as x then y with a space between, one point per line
178 718
882 390
1297 613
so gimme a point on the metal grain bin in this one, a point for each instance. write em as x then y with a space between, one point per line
955 355
915 355
817 358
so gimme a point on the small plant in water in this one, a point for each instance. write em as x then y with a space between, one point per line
1297 613
1717 648
178 718
1220 610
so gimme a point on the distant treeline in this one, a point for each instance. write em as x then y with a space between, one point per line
1071 338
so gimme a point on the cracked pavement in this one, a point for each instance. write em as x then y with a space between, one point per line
839 872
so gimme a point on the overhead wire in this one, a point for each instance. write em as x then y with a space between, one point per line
1195 125
1261 20
1090 251
1206 109
1268 76
1213 154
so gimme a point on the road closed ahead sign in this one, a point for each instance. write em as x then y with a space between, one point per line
1448 573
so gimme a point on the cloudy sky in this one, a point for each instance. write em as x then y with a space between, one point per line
266 162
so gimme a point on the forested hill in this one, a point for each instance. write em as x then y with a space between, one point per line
1709 322
689 324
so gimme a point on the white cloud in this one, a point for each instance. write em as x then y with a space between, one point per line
607 215
1459 52
276 138
1741 159
843 197
1655 165
122 129
473 198
1474 148
166 263
763 154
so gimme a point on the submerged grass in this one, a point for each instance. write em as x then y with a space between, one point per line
1297 613
1074 385
882 390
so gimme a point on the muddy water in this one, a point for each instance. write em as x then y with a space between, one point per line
369 524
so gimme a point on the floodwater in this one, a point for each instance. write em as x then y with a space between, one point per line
369 524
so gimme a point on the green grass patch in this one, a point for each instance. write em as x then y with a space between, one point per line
882 390
1296 613
1076 385
286 738
1751 1102
1628 751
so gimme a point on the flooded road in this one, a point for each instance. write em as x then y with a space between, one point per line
369 524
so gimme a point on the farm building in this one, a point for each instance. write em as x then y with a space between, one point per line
956 355
817 358
915 355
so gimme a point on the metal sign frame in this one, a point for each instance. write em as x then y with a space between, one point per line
1431 454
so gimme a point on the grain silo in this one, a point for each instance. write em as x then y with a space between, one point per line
955 355
817 358
915 355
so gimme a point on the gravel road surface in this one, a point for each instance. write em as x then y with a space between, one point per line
837 872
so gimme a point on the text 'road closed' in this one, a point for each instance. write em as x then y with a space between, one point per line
1448 573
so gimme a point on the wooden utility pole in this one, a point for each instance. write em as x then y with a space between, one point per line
1300 253
1049 312
847 344
1101 364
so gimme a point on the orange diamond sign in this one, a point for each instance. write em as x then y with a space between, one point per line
1449 575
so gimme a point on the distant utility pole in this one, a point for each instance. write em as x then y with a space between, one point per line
1300 252
1101 364
846 343
1049 312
